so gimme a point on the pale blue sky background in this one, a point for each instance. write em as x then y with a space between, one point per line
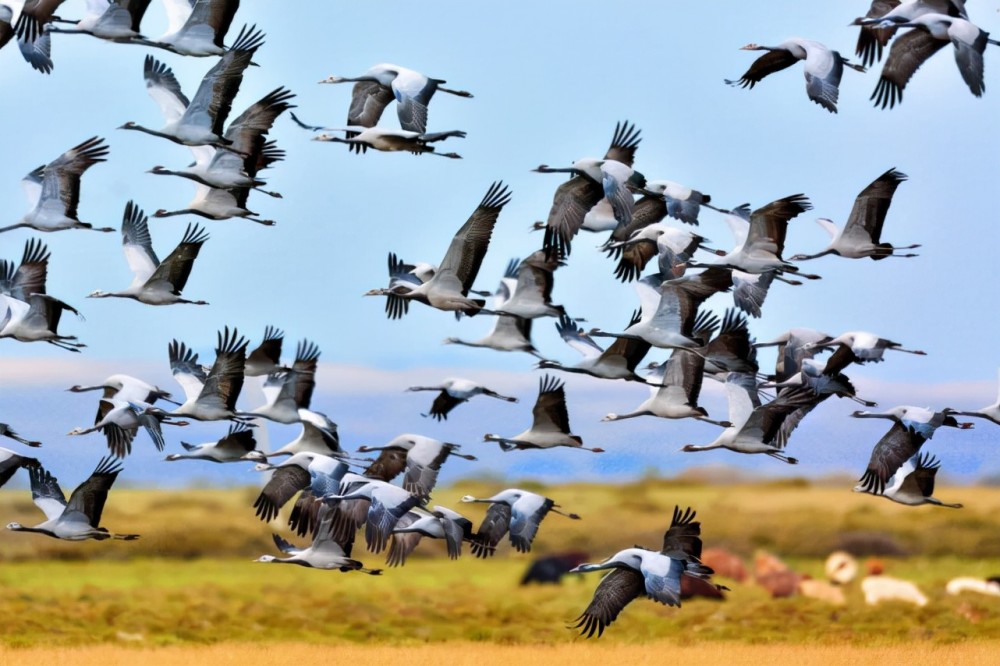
550 80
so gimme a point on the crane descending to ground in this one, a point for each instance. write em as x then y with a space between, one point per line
637 571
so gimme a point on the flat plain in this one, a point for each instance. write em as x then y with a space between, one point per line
190 587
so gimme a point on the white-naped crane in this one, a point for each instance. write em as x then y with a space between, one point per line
319 435
756 427
199 122
760 244
670 308
212 395
197 27
912 484
237 165
890 453
862 235
452 392
989 412
515 511
878 24
823 68
323 553
115 21
550 424
265 358
439 523
857 347
388 140
922 420
319 473
532 294
22 280
574 198
448 289
233 447
11 461
9 433
618 361
53 190
638 571
931 32
120 421
79 518
386 505
382 84
36 320
288 391
421 457
672 247
155 282
32 32
677 395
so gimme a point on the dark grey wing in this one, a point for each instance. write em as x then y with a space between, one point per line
13 462
368 101
927 468
45 492
443 403
682 540
30 276
895 448
90 496
285 482
615 591
404 543
493 528
872 205
523 527
455 532
62 175
871 40
217 14
382 518
769 223
634 258
176 268
304 518
468 247
908 53
304 370
225 379
268 352
624 143
570 204
769 63
550 408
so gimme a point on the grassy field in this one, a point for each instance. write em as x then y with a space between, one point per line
190 581
476 654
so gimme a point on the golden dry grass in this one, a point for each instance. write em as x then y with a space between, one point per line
477 654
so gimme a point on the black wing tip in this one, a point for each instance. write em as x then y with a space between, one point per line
497 196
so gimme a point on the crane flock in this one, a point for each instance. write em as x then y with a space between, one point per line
675 272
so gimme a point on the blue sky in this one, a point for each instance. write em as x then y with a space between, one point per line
550 81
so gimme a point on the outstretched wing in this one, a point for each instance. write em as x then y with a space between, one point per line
615 591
